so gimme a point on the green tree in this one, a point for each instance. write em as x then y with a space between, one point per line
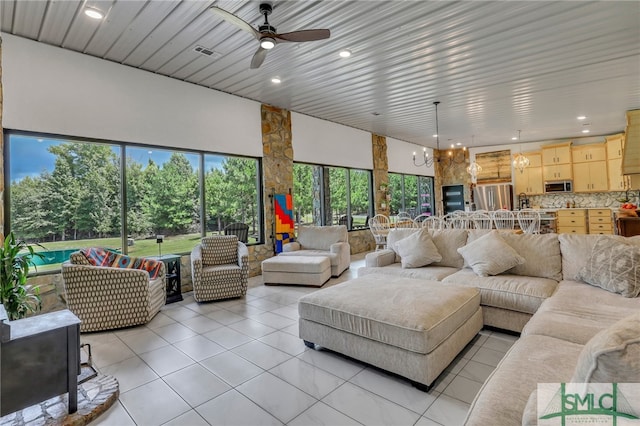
395 190
338 191
303 191
138 218
29 215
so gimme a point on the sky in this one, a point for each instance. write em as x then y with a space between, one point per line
29 156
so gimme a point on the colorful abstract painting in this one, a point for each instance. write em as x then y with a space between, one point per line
283 204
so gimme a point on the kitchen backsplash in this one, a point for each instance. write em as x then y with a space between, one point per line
581 200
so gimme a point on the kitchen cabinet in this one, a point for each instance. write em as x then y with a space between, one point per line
591 152
615 143
556 154
590 177
530 180
572 221
557 172
600 221
617 182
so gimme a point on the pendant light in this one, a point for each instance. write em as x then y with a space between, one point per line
474 168
520 162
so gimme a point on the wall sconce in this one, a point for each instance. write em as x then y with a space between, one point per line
159 240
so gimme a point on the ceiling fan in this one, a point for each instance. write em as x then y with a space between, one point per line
266 34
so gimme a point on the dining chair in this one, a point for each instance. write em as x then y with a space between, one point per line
379 226
529 221
503 219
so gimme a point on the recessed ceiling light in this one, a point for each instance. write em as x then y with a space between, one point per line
581 117
585 130
435 136
515 138
345 53
459 143
93 13
276 80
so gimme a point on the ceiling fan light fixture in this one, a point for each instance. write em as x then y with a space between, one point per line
345 53
267 43
93 13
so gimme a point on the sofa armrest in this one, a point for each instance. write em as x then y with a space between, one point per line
339 248
243 261
380 258
293 246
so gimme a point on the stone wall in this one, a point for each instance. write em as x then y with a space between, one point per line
380 174
361 241
449 172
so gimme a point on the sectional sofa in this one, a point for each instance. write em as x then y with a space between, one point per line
573 298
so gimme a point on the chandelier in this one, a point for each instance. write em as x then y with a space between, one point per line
474 168
520 162
452 157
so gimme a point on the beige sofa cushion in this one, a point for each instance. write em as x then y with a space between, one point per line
614 266
512 292
448 241
613 355
531 360
576 251
321 237
432 273
578 311
417 250
541 253
490 255
416 315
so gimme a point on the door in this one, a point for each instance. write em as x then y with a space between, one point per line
452 198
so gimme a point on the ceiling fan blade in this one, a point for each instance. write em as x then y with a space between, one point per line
233 19
258 58
303 35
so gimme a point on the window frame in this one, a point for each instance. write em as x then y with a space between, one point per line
8 133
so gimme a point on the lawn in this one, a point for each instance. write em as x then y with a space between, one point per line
177 244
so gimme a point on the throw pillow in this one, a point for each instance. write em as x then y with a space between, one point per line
490 255
417 250
613 266
98 256
612 355
152 266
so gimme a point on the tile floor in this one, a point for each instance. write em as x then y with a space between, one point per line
240 362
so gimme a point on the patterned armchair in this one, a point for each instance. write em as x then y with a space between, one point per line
219 268
106 297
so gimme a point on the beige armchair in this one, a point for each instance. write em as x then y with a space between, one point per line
330 241
106 297
219 268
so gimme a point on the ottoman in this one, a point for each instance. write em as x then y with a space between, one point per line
301 270
410 327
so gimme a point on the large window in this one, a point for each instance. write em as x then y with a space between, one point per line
332 196
411 194
231 185
163 198
66 195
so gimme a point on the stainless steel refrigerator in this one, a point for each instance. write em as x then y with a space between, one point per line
493 197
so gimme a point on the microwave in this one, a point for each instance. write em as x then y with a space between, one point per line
558 186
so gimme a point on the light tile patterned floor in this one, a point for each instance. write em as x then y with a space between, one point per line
241 362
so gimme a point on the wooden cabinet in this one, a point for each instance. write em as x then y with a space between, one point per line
615 143
600 221
556 154
590 177
572 221
591 152
617 182
530 180
628 226
556 162
557 172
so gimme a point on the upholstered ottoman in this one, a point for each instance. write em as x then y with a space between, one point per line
301 270
410 327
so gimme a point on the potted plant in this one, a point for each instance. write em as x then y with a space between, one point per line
19 298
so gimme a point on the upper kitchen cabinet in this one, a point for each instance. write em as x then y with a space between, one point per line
615 143
591 152
556 162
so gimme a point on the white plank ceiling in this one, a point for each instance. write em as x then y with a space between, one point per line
496 67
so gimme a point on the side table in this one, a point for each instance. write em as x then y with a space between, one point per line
172 269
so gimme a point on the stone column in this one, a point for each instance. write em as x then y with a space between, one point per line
277 169
380 174
450 173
